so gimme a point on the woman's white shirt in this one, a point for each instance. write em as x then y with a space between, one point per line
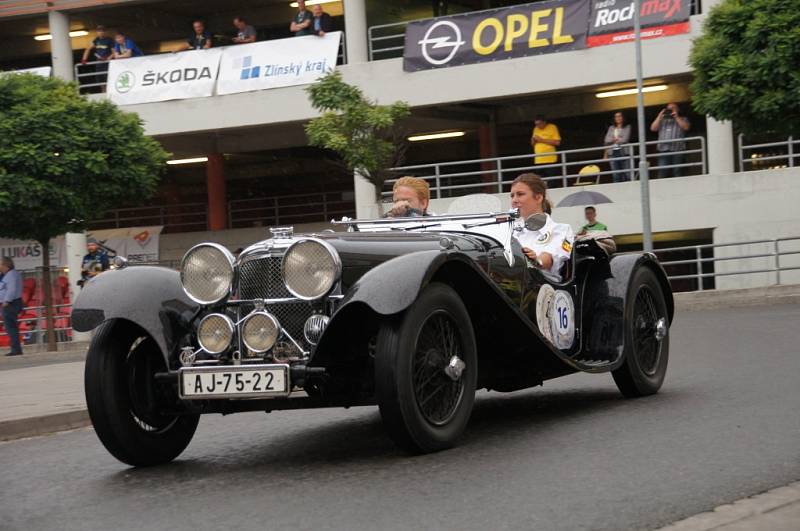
554 238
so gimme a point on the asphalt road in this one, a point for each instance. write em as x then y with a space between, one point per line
572 455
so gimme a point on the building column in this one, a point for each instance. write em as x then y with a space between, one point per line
75 246
217 192
355 29
61 46
720 146
367 206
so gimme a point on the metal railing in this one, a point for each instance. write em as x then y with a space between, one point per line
33 328
387 41
186 216
493 175
92 76
701 264
769 155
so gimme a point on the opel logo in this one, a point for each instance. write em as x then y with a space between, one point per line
451 39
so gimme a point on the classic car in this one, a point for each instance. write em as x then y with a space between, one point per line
412 315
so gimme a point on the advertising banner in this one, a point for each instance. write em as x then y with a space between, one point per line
505 33
612 20
27 255
278 63
171 76
137 244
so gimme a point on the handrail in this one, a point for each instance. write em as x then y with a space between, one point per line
496 167
790 146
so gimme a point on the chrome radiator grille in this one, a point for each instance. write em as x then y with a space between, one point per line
260 278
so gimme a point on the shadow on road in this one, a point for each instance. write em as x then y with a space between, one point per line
498 421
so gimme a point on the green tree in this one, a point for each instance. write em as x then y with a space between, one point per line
363 133
747 65
65 159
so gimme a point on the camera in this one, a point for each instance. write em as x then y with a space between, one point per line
668 113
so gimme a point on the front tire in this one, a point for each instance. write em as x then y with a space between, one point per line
124 401
424 408
646 321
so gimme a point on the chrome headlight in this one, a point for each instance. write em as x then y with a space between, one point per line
215 333
260 331
311 268
207 273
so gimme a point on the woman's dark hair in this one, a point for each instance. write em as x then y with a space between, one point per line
537 186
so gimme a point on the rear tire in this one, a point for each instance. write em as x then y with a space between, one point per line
646 357
125 402
424 409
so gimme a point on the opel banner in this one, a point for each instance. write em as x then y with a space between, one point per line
505 33
278 63
612 20
171 76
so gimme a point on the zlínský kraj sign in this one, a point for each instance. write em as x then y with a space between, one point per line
278 63
171 76
505 33
612 20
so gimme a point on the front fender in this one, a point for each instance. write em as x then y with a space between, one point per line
150 297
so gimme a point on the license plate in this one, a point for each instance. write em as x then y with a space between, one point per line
251 381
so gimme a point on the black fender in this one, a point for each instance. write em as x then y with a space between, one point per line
501 329
151 297
606 296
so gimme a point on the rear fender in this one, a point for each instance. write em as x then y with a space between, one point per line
150 297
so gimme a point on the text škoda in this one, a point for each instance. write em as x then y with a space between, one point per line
176 76
543 28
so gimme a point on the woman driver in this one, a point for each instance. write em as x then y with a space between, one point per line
549 247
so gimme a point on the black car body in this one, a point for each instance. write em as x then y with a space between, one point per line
415 316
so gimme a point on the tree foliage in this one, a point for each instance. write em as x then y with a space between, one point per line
64 158
747 65
362 132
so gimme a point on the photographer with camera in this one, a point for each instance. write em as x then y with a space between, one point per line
95 262
670 125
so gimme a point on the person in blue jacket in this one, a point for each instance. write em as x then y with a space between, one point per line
125 47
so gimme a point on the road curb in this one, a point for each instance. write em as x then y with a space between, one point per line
733 298
769 510
43 425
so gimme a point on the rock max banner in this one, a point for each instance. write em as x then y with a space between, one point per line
612 20
170 76
505 33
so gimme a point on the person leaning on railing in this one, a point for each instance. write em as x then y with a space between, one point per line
670 125
101 49
302 21
11 299
245 33
125 47
545 138
200 39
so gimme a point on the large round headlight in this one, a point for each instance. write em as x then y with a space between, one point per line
215 333
260 331
207 273
310 269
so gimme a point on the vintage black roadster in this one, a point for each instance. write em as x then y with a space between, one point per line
411 314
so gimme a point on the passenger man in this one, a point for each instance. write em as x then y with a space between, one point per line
11 300
411 196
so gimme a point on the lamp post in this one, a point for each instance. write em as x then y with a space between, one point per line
644 167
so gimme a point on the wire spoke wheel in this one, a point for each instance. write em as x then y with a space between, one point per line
647 346
437 395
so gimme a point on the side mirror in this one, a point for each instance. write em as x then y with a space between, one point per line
535 222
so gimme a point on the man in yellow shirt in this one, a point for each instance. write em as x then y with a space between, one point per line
545 139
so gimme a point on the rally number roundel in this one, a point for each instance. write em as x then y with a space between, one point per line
562 320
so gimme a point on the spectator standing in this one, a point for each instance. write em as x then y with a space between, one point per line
670 125
95 262
245 33
125 47
545 139
301 24
100 50
592 224
619 133
11 300
322 23
201 38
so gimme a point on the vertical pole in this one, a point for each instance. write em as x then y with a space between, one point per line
355 26
499 165
61 46
563 170
438 183
791 152
217 192
699 256
777 262
644 174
